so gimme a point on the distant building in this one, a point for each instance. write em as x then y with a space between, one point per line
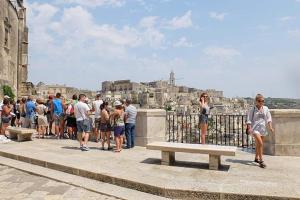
43 90
13 45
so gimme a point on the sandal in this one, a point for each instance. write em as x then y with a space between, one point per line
262 164
256 160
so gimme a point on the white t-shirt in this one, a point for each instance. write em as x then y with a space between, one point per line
96 106
80 110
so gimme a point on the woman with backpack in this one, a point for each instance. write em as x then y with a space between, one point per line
41 110
259 118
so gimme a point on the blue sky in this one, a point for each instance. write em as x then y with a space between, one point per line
240 47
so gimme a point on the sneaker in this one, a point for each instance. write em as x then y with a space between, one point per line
66 135
80 147
84 148
262 164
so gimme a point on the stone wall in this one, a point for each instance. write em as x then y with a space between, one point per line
12 50
286 139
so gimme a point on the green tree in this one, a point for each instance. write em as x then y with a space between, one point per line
8 91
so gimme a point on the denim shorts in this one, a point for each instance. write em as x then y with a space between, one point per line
119 130
83 126
203 119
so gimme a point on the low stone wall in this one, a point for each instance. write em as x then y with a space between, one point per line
150 126
286 139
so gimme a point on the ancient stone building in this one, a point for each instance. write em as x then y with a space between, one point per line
13 44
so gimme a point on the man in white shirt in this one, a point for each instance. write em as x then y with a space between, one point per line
96 108
81 111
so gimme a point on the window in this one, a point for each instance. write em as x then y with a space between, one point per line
6 37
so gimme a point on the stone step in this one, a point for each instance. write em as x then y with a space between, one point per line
78 181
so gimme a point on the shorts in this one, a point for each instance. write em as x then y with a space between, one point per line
42 120
83 126
71 122
97 123
119 130
203 119
58 119
260 133
105 127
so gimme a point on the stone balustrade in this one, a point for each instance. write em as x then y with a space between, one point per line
151 127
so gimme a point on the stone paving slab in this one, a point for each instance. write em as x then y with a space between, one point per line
104 189
17 185
140 169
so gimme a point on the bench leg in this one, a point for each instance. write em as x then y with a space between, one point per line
214 162
167 158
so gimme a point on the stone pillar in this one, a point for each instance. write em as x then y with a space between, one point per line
214 162
150 126
286 139
167 158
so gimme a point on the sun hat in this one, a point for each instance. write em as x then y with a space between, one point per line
118 103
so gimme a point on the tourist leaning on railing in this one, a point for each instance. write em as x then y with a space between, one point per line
204 112
259 117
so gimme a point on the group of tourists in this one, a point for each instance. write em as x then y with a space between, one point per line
259 122
74 118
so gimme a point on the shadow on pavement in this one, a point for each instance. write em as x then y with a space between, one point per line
244 162
185 164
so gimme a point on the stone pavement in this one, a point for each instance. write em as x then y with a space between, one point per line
15 184
140 169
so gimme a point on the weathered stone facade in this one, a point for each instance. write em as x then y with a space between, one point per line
13 44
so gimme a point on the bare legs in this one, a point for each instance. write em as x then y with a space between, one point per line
105 136
259 141
119 143
203 127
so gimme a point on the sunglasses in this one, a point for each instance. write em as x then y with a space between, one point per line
261 101
205 96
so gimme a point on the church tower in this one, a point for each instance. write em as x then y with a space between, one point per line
172 78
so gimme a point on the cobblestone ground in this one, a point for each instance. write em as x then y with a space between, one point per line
15 184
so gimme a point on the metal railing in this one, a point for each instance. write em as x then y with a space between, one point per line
227 130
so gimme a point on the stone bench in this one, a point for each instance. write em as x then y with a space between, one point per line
168 150
22 134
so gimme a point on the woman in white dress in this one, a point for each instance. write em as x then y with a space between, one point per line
259 118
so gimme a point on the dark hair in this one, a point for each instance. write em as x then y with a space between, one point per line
128 101
102 106
74 97
120 107
23 100
81 96
58 95
18 101
5 101
98 95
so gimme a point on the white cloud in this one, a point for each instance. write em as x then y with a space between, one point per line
294 33
286 18
217 16
184 21
148 22
182 42
221 52
93 3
